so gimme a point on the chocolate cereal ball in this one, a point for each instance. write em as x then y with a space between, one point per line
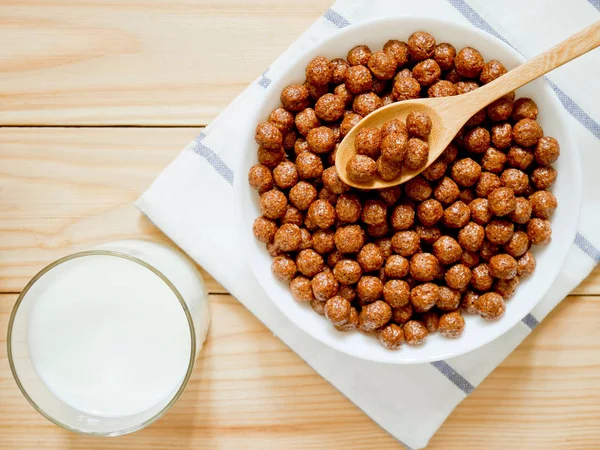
435 171
283 268
324 286
466 172
415 332
446 191
471 236
374 315
264 229
451 325
300 146
393 147
397 50
480 211
468 62
543 177
469 259
273 204
491 70
526 264
358 79
503 266
348 208
289 140
347 271
268 135
424 266
396 293
387 170
319 71
282 119
403 217
393 126
270 157
418 189
306 120
502 201
458 277
427 72
285 174
428 235
506 288
519 157
522 212
349 239
317 306
288 237
487 183
359 55
456 215
431 320
369 288
418 124
340 66
330 108
361 169
488 250
365 104
447 250
383 65
442 88
342 93
499 231
390 195
481 279
405 243
309 165
391 336
293 215
301 289
367 142
467 303
396 266
421 45
322 213
295 98
334 257
527 132
515 179
477 140
524 108
424 296
501 135
403 314
546 151
302 195
493 160
444 55
448 299
314 91
309 263
385 245
501 109
539 231
417 152
332 181
370 258
490 305
405 88
260 178
337 310
322 241
430 212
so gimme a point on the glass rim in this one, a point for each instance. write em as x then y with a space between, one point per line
144 264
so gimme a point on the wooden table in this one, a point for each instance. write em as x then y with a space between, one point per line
96 98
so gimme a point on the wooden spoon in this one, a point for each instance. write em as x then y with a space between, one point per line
449 114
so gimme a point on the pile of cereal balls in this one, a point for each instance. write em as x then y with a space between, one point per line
384 152
407 261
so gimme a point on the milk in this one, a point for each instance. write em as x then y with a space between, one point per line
108 337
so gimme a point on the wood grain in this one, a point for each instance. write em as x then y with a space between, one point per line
138 62
65 189
249 391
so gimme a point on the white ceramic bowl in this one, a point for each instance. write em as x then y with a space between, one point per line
550 259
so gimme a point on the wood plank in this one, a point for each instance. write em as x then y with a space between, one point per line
64 190
250 391
138 62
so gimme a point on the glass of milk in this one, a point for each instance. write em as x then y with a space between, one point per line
103 342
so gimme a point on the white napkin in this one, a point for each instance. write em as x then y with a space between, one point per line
191 201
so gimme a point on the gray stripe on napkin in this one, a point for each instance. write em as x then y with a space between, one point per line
336 18
587 247
213 159
264 81
456 378
595 4
530 321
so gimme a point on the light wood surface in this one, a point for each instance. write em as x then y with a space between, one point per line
449 114
64 189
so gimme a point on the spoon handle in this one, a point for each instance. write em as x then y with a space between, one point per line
571 48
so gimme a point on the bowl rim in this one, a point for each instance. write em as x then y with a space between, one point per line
240 183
